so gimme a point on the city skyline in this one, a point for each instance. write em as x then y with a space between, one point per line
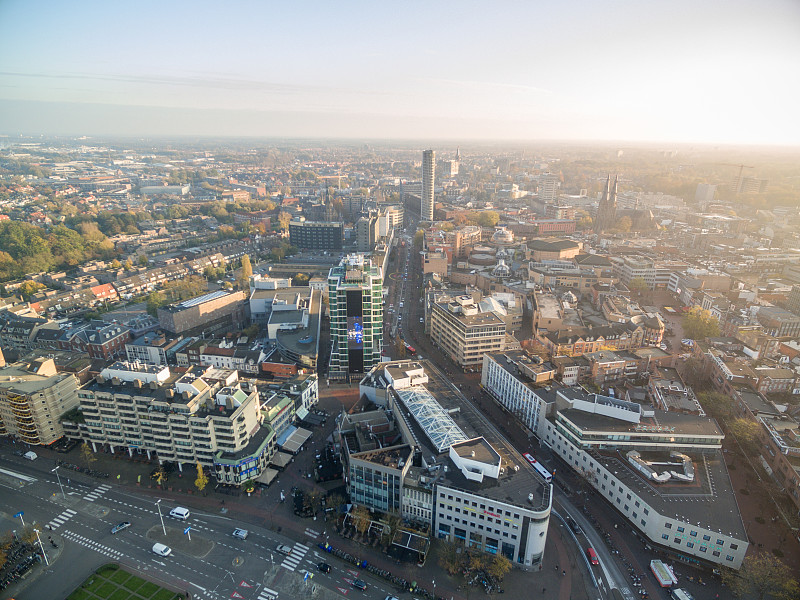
575 71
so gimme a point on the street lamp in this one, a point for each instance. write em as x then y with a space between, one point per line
47 562
158 505
59 482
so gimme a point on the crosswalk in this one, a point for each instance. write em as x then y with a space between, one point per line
92 545
293 560
312 533
267 594
97 492
61 519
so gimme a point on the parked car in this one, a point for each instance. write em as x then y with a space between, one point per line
359 585
240 533
284 549
324 567
120 527
162 550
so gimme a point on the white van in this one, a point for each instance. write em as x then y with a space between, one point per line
179 513
30 455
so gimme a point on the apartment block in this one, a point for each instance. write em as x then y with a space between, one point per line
33 398
465 332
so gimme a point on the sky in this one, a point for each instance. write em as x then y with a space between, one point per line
700 71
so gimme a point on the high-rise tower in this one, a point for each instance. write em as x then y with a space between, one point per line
607 209
355 295
428 177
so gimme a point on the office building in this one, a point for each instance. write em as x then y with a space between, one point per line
512 378
420 457
548 187
33 398
355 300
464 330
607 209
662 471
316 235
428 182
208 313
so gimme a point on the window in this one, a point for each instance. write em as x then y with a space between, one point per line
734 546
693 533
677 540
664 536
681 530
668 525
690 544
715 553
703 549
646 511
729 558
706 538
720 542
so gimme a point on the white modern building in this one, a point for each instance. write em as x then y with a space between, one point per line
428 182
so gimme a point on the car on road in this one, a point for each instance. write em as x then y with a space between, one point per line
574 526
162 550
240 533
324 567
359 585
120 527
179 513
592 556
282 548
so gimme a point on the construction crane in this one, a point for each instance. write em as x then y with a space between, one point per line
738 179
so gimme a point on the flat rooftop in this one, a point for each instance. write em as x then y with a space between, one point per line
662 421
709 501
388 457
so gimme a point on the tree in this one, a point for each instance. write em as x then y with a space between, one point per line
29 288
300 279
638 285
399 348
334 501
202 479
115 264
87 455
488 218
247 267
143 261
277 253
716 404
251 331
155 300
449 557
499 567
314 501
418 237
128 265
746 433
761 576
284 218
160 476
584 223
700 324
361 519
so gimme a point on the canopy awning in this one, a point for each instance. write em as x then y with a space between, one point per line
267 476
281 459
296 439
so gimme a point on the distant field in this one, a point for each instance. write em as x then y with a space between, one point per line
110 582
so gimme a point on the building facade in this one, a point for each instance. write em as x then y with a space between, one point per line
428 183
355 301
205 314
464 332
33 398
315 235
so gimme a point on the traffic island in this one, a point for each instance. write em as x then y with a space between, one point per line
197 546
112 582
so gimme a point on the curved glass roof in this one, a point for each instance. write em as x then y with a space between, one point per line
437 423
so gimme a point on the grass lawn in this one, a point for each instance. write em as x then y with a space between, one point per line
110 582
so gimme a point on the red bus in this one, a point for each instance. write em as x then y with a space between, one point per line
592 556
410 350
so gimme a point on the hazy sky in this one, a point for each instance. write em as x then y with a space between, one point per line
715 71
